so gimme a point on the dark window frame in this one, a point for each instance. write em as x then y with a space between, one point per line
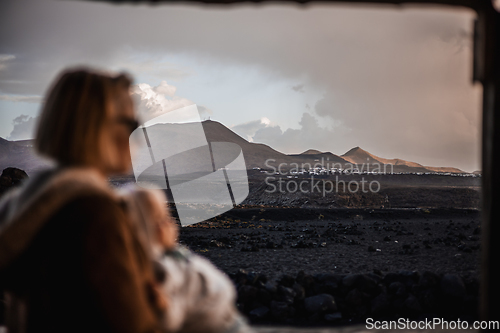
486 70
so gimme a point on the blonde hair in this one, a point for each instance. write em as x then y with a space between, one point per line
72 123
153 201
149 212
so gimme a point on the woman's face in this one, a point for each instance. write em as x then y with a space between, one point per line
123 122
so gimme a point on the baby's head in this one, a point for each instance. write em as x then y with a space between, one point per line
152 210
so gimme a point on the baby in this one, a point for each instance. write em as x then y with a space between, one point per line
200 297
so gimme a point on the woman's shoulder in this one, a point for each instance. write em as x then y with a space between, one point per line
48 191
93 206
68 194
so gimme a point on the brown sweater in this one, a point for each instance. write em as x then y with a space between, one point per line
85 270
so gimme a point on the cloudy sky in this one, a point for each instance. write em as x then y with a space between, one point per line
395 81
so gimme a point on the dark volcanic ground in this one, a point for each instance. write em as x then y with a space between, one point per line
277 241
416 222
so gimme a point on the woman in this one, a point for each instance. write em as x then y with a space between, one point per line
70 257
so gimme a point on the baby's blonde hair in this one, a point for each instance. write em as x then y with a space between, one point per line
153 202
149 210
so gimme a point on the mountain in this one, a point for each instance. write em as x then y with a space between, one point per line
445 169
4 147
359 156
328 159
256 154
311 152
21 154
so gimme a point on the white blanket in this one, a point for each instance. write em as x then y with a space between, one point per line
201 298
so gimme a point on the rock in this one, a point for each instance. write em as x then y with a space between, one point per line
363 282
287 294
428 280
375 277
279 310
11 177
259 313
16 175
366 283
247 294
287 281
5 181
380 304
332 317
320 303
328 278
356 297
412 304
428 300
300 276
254 278
264 296
452 285
408 277
314 318
398 289
241 276
329 287
271 287
390 278
398 303
300 292
350 280
305 280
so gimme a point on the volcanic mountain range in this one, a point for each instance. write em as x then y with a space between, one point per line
257 153
20 154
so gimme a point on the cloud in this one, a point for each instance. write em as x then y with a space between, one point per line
310 135
165 89
248 129
298 88
24 127
152 102
4 59
151 66
20 98
431 119
383 69
204 110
